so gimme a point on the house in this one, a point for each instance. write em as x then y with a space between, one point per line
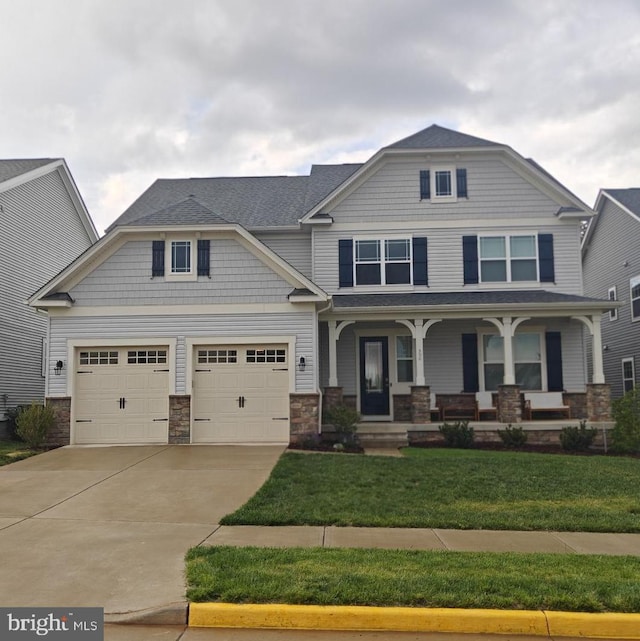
231 310
44 225
611 265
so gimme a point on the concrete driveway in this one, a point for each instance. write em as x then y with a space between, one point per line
109 526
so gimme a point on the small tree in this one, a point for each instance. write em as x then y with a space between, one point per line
344 420
33 424
625 435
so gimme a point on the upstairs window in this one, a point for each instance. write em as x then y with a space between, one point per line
180 256
505 259
634 284
628 374
176 259
443 184
383 262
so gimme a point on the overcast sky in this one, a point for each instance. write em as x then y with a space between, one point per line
128 91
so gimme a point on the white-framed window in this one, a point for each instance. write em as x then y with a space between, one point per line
147 357
634 286
527 358
404 359
181 262
382 261
218 356
612 295
266 356
505 259
628 374
105 357
443 183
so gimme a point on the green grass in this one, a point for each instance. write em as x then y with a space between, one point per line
462 489
410 578
12 451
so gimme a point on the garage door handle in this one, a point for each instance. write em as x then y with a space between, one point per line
123 402
160 420
280 369
201 419
284 418
241 401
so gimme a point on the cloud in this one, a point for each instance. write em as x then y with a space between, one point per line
132 90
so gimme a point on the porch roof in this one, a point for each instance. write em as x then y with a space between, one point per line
470 300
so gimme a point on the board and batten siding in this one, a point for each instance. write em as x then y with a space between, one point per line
40 233
495 191
208 327
236 276
611 260
294 247
445 264
443 352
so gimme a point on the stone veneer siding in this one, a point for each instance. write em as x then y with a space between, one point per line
179 419
420 404
509 404
577 401
60 434
402 408
304 416
598 402
332 397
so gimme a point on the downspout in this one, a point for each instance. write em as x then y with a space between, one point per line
320 311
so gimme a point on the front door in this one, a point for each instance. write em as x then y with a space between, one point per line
374 376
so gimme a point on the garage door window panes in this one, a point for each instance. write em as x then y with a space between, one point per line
147 357
228 356
99 358
266 356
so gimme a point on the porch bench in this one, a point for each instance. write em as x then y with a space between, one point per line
461 407
547 402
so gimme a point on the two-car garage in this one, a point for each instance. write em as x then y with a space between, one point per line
239 393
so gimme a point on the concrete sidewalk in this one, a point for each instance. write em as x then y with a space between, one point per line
427 539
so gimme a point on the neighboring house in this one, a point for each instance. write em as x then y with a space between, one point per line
225 310
611 265
43 226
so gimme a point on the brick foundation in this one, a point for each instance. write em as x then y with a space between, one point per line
304 416
420 404
332 397
60 434
598 402
179 419
509 404
402 408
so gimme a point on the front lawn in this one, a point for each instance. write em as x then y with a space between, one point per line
409 578
12 451
443 488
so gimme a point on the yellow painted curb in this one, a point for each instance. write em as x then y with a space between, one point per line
595 626
321 617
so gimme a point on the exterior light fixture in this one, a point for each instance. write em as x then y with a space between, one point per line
302 364
58 368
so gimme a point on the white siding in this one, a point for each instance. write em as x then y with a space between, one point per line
236 276
209 327
40 233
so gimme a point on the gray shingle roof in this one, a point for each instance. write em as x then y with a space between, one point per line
16 167
505 297
436 137
186 212
630 198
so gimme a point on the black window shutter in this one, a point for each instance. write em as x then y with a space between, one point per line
545 257
470 362
345 262
461 181
470 259
157 260
425 184
553 342
420 262
203 257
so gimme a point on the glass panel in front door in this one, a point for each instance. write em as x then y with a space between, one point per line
373 367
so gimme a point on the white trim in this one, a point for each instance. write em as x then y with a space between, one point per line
419 228
176 310
382 260
448 198
508 259
169 274
631 360
634 281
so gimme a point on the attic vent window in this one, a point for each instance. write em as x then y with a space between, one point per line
180 257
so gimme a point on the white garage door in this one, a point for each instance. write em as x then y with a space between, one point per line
241 394
121 395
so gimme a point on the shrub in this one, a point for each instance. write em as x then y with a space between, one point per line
513 436
12 414
625 435
344 420
33 424
577 439
458 434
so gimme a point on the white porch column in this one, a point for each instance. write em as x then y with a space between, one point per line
335 329
419 329
507 328
593 324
